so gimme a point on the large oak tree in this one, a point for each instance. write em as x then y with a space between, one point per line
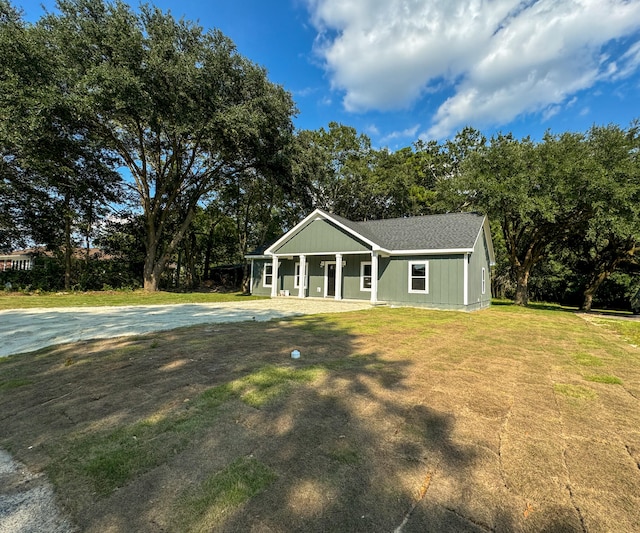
181 108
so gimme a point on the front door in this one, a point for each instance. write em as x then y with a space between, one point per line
330 279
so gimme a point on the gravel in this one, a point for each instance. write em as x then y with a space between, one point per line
27 501
25 330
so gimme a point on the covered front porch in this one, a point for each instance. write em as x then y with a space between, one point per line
340 276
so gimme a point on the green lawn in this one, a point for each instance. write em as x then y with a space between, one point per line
16 300
508 419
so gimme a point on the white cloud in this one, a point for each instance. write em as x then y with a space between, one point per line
409 133
498 58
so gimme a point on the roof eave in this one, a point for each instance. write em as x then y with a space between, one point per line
431 251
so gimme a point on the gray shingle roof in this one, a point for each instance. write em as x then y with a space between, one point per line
430 232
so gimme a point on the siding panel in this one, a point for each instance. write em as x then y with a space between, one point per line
321 237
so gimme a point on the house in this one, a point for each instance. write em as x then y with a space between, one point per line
437 261
22 260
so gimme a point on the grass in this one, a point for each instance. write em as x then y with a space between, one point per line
629 329
106 460
14 384
113 298
219 430
600 378
201 508
574 391
586 359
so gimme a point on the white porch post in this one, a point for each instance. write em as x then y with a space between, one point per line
338 295
302 280
374 276
274 276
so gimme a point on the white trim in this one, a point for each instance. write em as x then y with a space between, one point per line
486 228
264 274
465 279
300 270
362 276
326 277
411 277
484 280
360 252
317 213
374 276
251 279
274 278
338 295
434 251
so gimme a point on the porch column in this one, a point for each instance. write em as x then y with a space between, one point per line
338 295
374 276
274 276
302 280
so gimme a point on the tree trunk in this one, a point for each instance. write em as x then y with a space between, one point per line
246 278
178 268
150 279
67 245
591 289
522 286
150 276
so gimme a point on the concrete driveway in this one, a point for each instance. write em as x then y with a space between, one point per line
25 330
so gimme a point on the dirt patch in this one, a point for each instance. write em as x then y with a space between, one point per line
427 421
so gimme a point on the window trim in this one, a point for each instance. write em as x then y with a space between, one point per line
411 277
296 275
264 275
363 264
484 281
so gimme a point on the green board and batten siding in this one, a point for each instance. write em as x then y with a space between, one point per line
478 260
321 237
445 278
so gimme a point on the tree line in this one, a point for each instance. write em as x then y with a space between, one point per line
159 142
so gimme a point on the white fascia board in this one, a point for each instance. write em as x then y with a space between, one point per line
308 254
351 231
295 229
486 228
317 213
434 251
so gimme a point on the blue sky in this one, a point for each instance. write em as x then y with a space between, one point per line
399 70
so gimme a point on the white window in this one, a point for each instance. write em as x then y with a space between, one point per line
296 278
267 275
365 276
419 277
484 282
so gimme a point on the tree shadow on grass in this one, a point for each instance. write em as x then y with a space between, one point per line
354 448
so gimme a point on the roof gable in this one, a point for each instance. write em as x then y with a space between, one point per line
451 232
